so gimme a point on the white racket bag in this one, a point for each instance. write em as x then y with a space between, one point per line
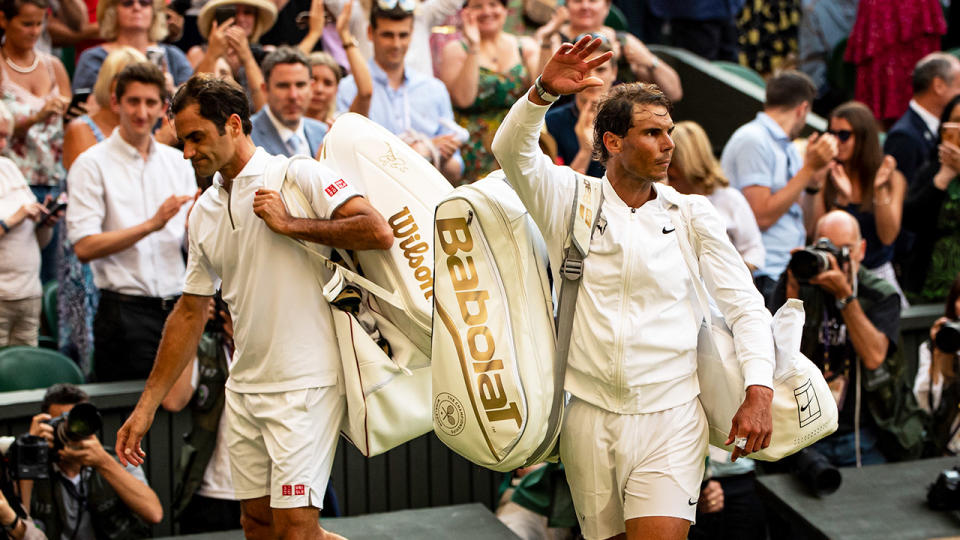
497 370
405 188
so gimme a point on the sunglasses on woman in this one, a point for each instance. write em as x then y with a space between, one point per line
841 134
130 3
405 5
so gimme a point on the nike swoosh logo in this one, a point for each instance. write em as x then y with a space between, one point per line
692 502
665 231
805 407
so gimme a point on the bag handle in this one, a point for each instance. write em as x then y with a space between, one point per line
276 180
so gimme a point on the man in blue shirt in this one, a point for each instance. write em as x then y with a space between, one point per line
408 103
761 161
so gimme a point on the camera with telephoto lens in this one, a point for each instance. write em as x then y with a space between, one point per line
944 493
810 261
948 337
30 455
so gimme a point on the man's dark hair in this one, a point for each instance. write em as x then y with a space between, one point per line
396 13
63 394
141 72
283 55
218 100
615 112
936 65
788 89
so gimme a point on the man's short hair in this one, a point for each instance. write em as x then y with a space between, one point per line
63 394
141 72
615 112
283 55
788 89
934 65
396 13
217 98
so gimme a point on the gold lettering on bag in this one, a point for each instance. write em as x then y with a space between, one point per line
483 371
406 230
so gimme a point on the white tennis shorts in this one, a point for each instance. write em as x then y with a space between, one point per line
282 444
625 466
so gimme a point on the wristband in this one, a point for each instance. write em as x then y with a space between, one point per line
811 190
352 43
4 226
12 526
542 92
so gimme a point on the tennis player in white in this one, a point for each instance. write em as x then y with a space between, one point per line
634 436
283 406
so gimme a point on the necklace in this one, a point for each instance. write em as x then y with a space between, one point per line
19 69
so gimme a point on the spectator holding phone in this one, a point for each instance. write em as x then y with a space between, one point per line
36 89
25 227
936 387
140 24
932 212
233 29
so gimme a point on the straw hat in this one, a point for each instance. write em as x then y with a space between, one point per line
266 16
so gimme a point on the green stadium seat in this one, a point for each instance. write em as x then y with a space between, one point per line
616 19
50 309
47 342
955 52
841 75
27 368
741 71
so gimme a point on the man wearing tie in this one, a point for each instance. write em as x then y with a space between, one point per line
280 127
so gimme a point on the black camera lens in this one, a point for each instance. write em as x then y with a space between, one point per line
82 421
807 263
816 472
948 337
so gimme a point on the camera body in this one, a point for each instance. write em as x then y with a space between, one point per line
948 337
807 263
30 456
944 493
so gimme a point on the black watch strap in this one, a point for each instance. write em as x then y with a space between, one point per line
843 303
12 526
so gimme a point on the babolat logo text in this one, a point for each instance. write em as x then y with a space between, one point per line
413 247
482 372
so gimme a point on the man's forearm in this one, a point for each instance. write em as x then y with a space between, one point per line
777 204
96 246
870 344
135 494
360 231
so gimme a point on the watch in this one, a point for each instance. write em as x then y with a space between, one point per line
4 226
351 43
843 303
12 526
542 92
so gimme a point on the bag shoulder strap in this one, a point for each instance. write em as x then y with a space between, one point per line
275 178
585 214
686 237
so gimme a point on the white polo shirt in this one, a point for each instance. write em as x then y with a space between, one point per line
113 188
283 329
19 252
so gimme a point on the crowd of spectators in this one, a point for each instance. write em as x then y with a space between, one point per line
85 87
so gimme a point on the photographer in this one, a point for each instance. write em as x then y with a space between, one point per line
851 329
936 387
88 493
204 500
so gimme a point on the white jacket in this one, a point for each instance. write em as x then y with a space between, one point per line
633 348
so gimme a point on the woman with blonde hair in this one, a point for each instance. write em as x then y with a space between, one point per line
140 24
694 170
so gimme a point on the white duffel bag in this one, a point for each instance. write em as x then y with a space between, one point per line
497 401
803 408
388 396
405 188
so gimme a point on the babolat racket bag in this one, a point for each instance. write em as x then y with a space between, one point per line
493 335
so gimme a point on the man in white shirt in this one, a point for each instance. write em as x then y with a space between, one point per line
127 217
283 409
634 436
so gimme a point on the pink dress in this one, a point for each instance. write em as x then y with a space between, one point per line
39 153
888 38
